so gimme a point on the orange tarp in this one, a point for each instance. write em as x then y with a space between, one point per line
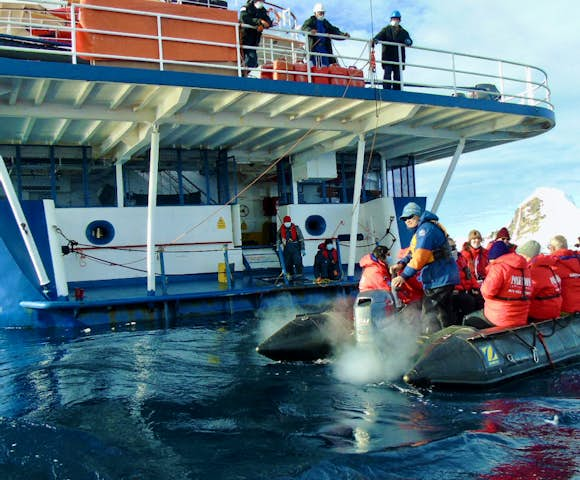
121 45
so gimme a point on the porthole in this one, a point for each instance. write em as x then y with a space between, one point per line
100 232
315 225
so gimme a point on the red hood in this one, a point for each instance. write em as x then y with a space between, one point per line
367 261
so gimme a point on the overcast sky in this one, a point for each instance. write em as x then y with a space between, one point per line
489 185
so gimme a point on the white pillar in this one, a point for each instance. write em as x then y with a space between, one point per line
448 175
120 185
151 207
55 250
360 157
22 223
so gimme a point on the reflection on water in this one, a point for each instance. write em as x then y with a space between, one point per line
196 401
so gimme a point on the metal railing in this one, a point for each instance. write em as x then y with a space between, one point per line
426 70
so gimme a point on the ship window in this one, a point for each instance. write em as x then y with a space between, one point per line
315 225
100 232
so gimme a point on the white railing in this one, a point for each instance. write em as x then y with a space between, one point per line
426 70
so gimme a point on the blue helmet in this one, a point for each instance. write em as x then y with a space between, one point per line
396 14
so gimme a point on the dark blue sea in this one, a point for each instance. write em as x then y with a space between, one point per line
195 401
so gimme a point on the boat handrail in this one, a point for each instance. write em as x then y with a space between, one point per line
429 70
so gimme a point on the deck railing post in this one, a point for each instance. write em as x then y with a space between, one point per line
73 35
401 66
501 81
160 42
454 73
238 49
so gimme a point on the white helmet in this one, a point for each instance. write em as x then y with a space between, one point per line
318 8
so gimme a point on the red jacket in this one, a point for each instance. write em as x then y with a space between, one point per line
546 289
566 263
467 280
476 260
375 275
507 289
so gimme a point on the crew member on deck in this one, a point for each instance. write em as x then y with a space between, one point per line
317 24
326 262
253 13
390 53
292 242
429 253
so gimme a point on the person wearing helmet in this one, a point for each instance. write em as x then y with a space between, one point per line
391 60
318 25
256 16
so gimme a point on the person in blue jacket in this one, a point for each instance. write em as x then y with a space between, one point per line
430 254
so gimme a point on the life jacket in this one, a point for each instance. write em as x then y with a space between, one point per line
546 290
507 290
467 281
284 232
566 263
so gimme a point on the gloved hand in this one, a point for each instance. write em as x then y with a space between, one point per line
396 268
303 253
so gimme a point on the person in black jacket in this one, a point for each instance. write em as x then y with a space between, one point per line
390 53
317 24
253 13
326 262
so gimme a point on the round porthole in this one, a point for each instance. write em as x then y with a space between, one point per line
315 225
100 232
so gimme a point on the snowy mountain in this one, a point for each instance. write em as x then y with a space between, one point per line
545 213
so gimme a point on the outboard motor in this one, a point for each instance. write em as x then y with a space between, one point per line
371 310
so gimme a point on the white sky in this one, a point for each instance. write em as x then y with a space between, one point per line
489 185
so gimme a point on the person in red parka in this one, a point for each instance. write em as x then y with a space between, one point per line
375 275
504 235
475 255
412 290
464 299
506 290
546 301
566 263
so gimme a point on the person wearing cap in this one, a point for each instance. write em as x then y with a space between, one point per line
429 253
317 24
292 243
475 255
546 301
391 60
254 14
504 235
326 265
506 290
566 263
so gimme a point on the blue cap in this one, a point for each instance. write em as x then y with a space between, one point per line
396 14
411 209
497 249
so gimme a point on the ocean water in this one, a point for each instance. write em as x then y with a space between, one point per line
195 401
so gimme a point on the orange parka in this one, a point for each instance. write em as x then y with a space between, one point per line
546 289
566 263
375 275
507 290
